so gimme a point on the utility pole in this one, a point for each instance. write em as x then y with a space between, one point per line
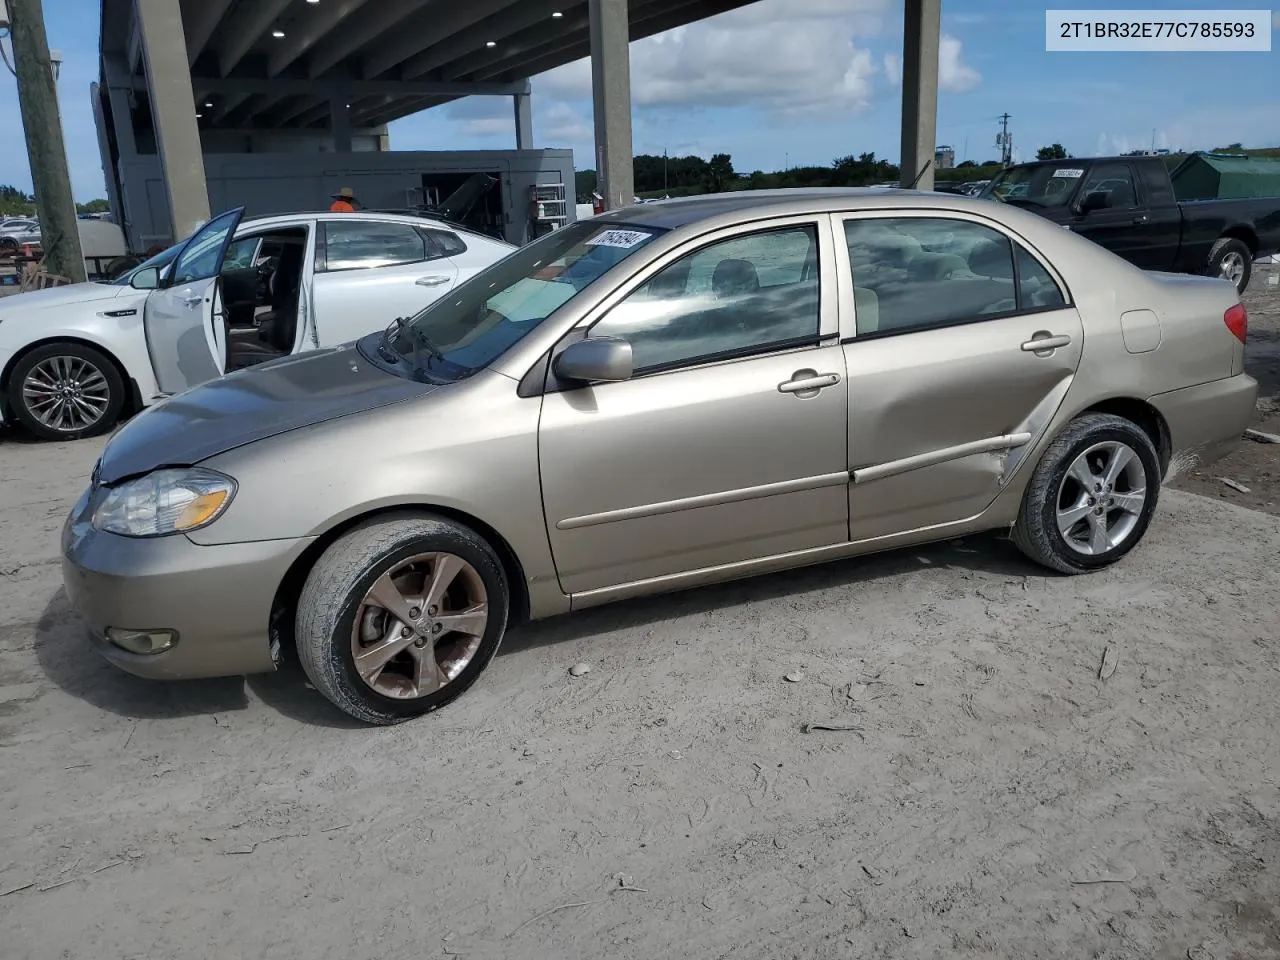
1004 141
46 153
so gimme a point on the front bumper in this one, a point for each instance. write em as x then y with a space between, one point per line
217 599
1207 421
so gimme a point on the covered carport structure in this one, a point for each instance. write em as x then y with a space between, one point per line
178 73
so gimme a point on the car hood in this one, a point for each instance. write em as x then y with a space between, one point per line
250 405
60 296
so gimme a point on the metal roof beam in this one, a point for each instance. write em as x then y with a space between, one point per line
558 56
504 24
341 44
545 37
290 86
433 25
400 109
320 22
200 18
245 28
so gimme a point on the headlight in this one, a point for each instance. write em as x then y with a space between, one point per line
165 502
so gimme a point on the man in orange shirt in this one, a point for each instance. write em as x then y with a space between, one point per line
344 201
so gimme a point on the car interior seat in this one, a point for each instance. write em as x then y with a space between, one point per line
279 326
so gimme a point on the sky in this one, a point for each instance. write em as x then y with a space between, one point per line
788 82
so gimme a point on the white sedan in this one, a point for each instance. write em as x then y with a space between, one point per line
74 359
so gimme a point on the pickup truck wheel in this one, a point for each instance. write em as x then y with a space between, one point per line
400 616
1231 259
65 391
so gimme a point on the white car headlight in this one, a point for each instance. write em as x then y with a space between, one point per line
165 502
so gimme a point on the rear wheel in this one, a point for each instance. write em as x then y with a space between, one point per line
1231 259
1091 497
400 616
65 391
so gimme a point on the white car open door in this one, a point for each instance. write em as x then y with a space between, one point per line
183 319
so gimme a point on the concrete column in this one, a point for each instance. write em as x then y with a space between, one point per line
921 35
173 113
611 95
524 121
340 124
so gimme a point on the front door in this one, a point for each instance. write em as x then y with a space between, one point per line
728 443
1121 225
182 319
963 348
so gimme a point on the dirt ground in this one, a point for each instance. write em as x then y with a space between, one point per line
995 797
1255 466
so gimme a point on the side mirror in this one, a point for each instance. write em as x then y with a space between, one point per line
1098 200
602 358
148 279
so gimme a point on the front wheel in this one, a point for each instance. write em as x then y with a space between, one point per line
1231 259
1091 497
400 616
65 391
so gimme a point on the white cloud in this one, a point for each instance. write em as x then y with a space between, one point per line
782 56
561 123
954 75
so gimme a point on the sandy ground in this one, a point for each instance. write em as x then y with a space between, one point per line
1254 466
995 799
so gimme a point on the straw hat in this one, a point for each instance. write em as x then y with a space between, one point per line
346 193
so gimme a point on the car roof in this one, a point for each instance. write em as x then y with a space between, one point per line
291 219
754 204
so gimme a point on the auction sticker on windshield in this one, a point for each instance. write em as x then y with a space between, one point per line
1072 173
619 238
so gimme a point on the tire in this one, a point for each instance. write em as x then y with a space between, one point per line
336 594
99 389
1231 256
1056 492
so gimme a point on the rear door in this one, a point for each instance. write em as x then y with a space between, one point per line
183 320
960 344
368 272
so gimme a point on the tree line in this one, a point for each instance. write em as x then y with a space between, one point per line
19 203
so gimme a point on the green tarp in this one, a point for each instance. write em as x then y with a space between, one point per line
1219 176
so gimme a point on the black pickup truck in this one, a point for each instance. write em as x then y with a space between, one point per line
1127 204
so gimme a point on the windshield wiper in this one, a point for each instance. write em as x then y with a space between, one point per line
420 341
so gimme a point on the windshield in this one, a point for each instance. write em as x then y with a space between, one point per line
472 326
1042 184
159 261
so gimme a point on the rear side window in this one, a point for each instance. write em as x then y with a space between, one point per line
445 243
921 273
362 244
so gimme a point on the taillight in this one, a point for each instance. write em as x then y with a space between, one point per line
1237 321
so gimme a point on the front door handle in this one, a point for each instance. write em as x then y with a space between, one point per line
807 383
193 301
1044 343
432 281
1142 219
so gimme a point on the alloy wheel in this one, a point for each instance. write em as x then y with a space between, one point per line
1101 498
419 625
1231 267
67 394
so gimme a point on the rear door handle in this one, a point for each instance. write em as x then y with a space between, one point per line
431 281
810 382
1045 343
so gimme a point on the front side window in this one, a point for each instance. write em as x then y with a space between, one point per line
481 319
1114 181
363 244
745 295
202 257
919 273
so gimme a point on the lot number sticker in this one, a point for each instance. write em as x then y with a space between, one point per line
618 238
1073 173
